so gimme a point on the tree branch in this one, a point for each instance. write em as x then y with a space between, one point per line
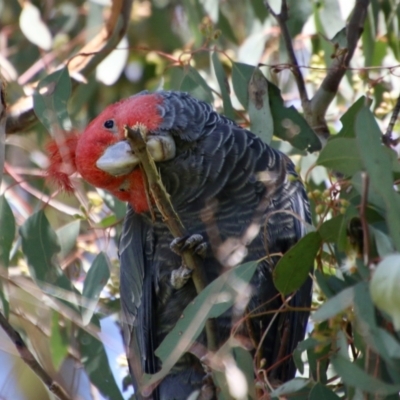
315 109
298 76
330 85
31 361
387 137
135 137
21 114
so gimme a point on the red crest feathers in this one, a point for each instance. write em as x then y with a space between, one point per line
62 160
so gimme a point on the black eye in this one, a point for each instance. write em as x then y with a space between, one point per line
109 124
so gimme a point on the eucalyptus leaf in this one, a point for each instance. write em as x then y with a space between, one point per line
50 101
335 305
7 231
223 86
261 121
293 268
95 280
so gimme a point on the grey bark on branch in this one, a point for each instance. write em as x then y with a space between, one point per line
315 109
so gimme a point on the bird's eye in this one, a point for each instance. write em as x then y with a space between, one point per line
109 124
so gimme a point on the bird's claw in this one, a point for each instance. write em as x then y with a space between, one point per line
180 276
194 242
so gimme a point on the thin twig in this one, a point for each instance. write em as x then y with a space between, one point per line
387 137
282 17
135 137
31 361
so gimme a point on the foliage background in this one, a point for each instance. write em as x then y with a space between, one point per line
58 259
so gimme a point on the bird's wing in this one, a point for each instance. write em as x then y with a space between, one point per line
292 326
137 293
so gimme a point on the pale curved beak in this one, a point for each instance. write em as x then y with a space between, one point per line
118 159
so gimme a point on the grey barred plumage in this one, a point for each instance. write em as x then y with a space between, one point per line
222 179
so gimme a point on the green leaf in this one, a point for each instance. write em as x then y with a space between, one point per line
194 14
299 12
379 169
33 27
223 86
289 124
244 361
290 387
335 305
331 18
304 345
213 301
67 236
341 155
321 392
189 80
118 207
95 280
50 100
241 75
7 231
40 247
211 7
353 375
94 359
330 229
58 342
383 242
293 268
261 121
349 118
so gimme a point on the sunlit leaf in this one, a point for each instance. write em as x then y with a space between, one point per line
291 387
110 69
33 27
353 375
331 18
335 305
94 359
67 236
58 342
50 100
261 121
95 280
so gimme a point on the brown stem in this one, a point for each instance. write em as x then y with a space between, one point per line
282 18
31 361
330 85
387 137
135 137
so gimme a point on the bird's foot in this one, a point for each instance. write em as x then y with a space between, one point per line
195 242
180 276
